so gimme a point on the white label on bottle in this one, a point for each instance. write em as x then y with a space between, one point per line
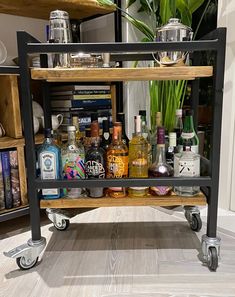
106 135
187 135
194 148
48 170
189 168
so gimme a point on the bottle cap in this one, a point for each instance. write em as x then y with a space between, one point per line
105 125
59 14
142 113
160 135
95 129
189 112
179 112
172 135
117 130
137 122
158 119
71 128
47 133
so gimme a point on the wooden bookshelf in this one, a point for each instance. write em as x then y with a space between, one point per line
9 142
77 9
121 74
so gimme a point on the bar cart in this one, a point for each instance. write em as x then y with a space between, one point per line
27 254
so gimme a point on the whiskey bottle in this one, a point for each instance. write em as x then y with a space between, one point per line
121 119
49 159
117 161
95 161
160 168
138 158
73 156
106 137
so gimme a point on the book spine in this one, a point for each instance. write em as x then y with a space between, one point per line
15 179
6 173
96 96
93 103
79 92
2 198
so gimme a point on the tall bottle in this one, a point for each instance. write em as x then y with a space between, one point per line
106 137
145 129
178 125
49 159
158 123
95 161
160 168
138 158
121 119
117 161
188 135
172 149
73 156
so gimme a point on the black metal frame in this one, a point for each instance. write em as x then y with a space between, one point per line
132 51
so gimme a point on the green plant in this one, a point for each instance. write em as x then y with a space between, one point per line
165 96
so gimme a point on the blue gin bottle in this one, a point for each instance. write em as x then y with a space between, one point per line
49 160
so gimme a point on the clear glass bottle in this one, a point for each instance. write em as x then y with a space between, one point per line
188 135
172 149
49 159
73 156
146 134
160 168
121 119
106 136
187 164
95 161
117 161
178 125
158 123
138 159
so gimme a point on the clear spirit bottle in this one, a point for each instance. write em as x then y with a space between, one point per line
117 161
73 166
187 164
49 159
138 159
95 161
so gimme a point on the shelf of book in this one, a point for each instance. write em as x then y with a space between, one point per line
121 74
171 200
8 214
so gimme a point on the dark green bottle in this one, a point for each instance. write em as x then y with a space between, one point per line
121 118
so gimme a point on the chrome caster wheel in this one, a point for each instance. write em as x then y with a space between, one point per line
25 264
212 260
62 225
196 222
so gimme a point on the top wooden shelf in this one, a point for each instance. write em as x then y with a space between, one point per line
121 74
77 9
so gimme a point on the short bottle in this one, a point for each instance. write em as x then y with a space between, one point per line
160 168
95 161
73 166
187 164
158 123
117 161
178 125
49 159
138 159
172 149
121 119
106 137
188 136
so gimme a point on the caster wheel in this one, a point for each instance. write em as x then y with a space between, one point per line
25 264
212 261
63 225
196 222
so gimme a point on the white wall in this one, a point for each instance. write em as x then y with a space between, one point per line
9 24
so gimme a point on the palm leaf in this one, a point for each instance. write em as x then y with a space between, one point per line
130 2
186 16
193 5
165 11
141 26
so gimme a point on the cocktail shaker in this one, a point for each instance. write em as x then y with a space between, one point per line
60 32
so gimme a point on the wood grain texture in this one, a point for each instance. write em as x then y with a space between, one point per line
121 74
77 9
129 201
9 142
9 106
22 175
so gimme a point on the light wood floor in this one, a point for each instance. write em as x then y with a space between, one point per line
119 252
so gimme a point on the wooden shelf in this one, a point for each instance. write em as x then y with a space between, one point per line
107 201
9 142
77 9
121 74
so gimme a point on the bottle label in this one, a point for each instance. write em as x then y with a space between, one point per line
73 166
187 135
48 170
94 169
194 148
106 135
188 168
117 166
161 190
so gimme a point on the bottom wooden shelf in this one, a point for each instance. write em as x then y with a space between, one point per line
8 214
149 200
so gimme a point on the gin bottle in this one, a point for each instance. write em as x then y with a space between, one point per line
138 159
95 161
49 159
187 164
73 156
160 168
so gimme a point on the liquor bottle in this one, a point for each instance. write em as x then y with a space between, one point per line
49 159
121 119
146 134
178 125
188 135
117 161
160 168
172 149
73 161
187 164
138 158
95 161
106 137
158 123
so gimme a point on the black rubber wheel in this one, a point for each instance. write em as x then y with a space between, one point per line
24 265
196 223
65 224
212 258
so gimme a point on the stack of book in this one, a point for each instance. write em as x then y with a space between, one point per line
82 100
9 180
